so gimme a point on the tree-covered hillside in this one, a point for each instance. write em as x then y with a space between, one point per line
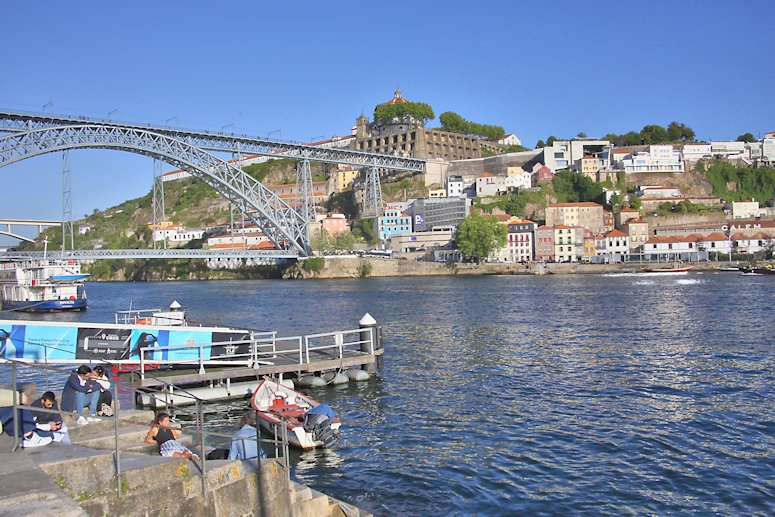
739 183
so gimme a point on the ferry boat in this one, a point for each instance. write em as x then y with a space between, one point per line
47 285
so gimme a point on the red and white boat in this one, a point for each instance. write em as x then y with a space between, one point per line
309 423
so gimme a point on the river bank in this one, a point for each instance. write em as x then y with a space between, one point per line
351 267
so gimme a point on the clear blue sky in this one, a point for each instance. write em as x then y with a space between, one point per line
301 71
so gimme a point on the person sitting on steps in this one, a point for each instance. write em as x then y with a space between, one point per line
80 391
105 402
49 422
166 437
244 444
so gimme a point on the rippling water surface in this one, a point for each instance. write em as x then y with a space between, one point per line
583 395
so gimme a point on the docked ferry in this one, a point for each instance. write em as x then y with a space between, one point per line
42 286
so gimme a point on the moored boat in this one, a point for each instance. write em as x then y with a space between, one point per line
309 423
43 286
765 270
175 316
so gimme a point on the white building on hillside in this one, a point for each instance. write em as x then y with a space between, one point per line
694 152
659 158
455 186
510 139
746 210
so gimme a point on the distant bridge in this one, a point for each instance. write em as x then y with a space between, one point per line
27 135
176 253
24 222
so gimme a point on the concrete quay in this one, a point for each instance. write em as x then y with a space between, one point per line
342 267
80 479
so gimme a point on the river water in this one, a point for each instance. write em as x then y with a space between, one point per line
621 394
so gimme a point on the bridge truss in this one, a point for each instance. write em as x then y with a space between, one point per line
26 135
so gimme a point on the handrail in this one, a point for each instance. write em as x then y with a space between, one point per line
263 349
280 446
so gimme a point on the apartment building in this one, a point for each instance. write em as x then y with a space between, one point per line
394 222
658 158
568 243
586 215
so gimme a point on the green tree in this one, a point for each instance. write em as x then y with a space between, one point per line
564 186
516 203
653 134
453 122
479 235
674 131
617 200
587 188
540 144
403 113
632 138
635 202
550 141
746 137
364 228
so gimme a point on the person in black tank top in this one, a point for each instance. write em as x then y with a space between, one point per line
162 434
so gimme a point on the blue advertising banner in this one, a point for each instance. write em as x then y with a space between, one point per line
61 342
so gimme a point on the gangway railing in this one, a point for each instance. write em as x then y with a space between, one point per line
264 349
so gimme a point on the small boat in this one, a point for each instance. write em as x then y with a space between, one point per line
309 423
727 268
675 270
43 286
175 316
766 270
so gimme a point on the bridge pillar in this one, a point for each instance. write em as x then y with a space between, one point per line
372 197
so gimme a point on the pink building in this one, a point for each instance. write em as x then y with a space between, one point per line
335 223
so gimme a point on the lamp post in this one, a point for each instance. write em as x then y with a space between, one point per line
167 122
111 113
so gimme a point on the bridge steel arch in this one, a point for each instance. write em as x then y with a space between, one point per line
279 222
17 121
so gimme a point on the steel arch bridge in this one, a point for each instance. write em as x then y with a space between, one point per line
27 135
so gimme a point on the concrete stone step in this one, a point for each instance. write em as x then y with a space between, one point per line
161 490
165 498
25 489
128 436
129 417
308 502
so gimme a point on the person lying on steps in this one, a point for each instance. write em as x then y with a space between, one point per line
166 437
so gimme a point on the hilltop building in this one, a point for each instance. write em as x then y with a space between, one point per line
411 139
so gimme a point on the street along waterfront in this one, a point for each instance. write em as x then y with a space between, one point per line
501 395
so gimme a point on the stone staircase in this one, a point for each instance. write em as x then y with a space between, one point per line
81 479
